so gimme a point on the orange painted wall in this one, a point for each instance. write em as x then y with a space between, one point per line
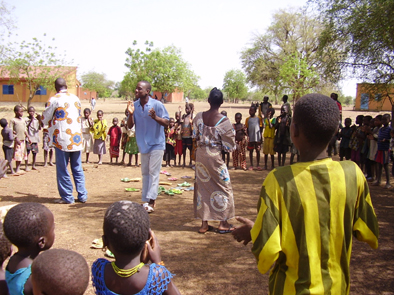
21 92
373 105
171 97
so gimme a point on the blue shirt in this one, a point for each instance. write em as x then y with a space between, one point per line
16 281
149 134
158 279
384 133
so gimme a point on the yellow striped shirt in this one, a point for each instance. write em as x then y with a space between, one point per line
307 215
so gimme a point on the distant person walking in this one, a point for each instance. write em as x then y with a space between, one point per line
65 133
93 103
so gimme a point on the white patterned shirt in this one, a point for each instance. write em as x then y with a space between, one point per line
63 117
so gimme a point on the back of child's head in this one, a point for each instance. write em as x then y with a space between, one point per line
224 113
126 227
25 223
5 246
3 122
317 117
59 272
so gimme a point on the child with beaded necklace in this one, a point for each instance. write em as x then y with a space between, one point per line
127 236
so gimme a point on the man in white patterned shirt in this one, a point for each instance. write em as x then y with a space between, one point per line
63 116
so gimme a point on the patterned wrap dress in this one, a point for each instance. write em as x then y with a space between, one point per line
213 194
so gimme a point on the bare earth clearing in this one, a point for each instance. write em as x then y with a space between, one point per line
203 264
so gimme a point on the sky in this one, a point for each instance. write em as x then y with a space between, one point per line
95 35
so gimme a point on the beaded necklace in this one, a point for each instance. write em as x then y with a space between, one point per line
125 273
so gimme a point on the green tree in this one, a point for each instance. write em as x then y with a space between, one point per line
297 76
292 33
197 93
364 32
234 84
33 64
98 82
165 69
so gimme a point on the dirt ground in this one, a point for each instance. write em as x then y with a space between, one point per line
203 264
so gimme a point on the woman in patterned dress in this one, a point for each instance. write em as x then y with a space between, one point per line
213 194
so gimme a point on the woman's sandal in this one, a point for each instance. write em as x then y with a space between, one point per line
230 229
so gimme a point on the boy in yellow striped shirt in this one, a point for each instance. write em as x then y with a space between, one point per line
308 212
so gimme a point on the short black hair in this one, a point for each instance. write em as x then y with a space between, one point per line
238 114
5 246
3 122
334 96
379 117
271 110
31 107
215 97
87 110
368 117
25 223
126 226
224 113
317 117
285 98
60 272
148 86
100 111
17 107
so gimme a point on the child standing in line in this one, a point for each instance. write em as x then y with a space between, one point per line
54 272
45 143
131 147
123 127
87 138
392 151
115 134
170 142
225 154
357 140
240 141
100 134
365 147
382 155
33 127
30 227
269 135
128 236
187 142
254 126
178 136
307 233
345 134
373 147
18 125
8 143
282 137
5 252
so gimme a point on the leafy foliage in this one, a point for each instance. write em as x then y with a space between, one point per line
33 64
98 82
292 39
364 32
234 85
165 69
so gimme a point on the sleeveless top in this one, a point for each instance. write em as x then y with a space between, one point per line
158 279
16 281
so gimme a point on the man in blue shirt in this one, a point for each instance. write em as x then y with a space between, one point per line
149 117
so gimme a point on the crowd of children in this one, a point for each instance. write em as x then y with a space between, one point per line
368 142
137 267
127 233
